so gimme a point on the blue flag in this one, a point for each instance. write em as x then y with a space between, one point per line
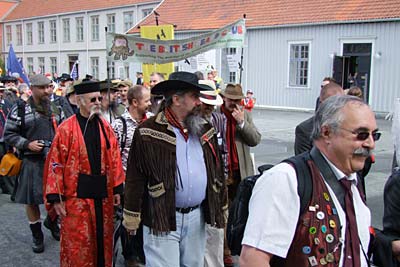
13 65
74 72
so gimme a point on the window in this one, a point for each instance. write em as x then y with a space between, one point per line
8 34
19 34
298 64
111 22
29 38
94 67
126 72
79 29
231 51
53 65
128 20
112 70
29 63
146 11
53 31
232 77
66 31
95 28
41 65
41 32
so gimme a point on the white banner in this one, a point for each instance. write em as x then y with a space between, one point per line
122 47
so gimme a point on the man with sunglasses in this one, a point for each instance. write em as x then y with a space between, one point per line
333 228
30 128
83 181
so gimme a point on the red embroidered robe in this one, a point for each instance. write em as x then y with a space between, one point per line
66 159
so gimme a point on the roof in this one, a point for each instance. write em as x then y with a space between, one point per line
211 14
5 7
36 8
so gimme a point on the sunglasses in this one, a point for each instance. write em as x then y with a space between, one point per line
93 99
363 135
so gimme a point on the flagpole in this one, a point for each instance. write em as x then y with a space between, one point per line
241 56
108 81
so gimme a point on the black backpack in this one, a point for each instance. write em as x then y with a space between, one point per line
239 209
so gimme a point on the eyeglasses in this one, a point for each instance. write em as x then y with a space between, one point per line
93 99
363 135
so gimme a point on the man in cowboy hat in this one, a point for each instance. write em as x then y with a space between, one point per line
175 180
241 134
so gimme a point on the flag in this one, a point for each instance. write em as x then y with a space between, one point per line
74 72
13 65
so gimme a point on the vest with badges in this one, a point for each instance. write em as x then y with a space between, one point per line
317 239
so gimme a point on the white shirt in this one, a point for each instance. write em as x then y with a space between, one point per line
274 212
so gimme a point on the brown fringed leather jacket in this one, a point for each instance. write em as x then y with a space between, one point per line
150 177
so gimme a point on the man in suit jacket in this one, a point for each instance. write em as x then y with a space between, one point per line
302 142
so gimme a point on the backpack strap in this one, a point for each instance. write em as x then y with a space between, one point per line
124 133
21 114
304 181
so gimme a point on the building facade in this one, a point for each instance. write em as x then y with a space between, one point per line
54 42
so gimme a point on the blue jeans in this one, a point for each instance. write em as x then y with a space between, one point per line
181 248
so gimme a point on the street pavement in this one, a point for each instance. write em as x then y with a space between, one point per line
277 129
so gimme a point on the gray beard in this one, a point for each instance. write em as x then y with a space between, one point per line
195 124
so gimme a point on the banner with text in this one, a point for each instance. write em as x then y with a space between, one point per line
130 48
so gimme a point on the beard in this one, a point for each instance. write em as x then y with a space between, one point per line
194 122
113 106
94 111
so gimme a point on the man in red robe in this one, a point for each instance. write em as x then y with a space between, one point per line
83 180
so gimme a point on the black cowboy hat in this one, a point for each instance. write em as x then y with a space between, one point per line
65 77
179 81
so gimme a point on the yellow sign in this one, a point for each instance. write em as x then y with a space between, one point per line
160 32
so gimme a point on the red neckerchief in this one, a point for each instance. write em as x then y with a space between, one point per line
233 160
169 114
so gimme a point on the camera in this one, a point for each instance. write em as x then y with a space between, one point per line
46 146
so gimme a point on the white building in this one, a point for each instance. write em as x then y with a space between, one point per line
52 38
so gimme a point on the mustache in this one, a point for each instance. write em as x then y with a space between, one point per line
362 151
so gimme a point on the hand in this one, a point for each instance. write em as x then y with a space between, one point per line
238 114
35 146
60 209
117 199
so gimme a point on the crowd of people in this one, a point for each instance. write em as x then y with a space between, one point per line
167 157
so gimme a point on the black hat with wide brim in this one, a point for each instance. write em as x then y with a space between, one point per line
179 81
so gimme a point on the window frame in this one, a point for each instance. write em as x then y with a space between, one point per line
42 64
29 65
128 24
8 35
66 30
41 38
29 33
111 22
79 29
94 67
53 65
53 31
299 71
95 28
18 29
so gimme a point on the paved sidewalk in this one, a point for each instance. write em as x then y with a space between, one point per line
277 129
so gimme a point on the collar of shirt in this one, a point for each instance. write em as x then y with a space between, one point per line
339 174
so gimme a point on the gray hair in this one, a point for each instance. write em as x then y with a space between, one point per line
22 87
168 98
329 113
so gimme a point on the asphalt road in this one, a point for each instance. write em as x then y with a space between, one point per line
277 129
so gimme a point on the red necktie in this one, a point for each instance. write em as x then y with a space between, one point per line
352 241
